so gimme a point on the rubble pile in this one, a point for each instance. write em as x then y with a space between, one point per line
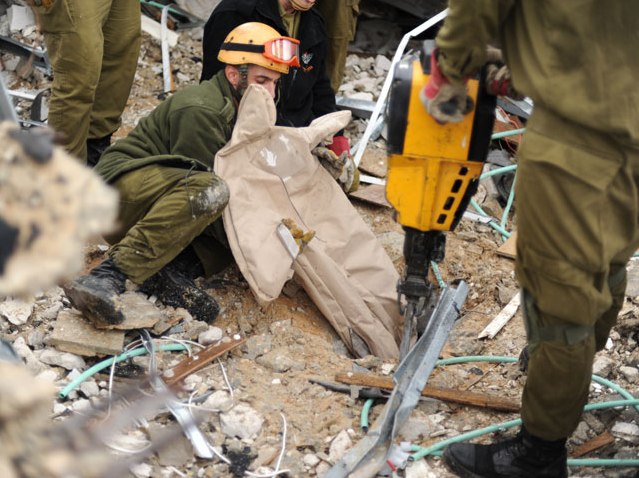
258 405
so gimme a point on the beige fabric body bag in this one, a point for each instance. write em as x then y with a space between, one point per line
272 175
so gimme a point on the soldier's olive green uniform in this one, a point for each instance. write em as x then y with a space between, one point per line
93 47
577 181
163 171
341 22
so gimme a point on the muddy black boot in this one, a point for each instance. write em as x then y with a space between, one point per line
174 286
95 148
524 456
96 294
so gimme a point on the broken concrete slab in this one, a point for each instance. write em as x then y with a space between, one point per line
138 312
72 333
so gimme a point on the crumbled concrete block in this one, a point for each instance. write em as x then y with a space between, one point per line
20 18
72 333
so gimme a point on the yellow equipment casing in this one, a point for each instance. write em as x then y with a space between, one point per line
433 169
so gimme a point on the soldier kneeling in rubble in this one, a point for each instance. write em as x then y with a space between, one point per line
170 200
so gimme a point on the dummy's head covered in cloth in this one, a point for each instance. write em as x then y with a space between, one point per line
272 176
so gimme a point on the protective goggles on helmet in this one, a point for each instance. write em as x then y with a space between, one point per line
282 50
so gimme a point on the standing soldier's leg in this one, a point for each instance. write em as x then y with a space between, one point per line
73 36
577 216
121 31
577 213
341 21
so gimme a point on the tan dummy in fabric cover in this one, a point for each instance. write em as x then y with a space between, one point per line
272 175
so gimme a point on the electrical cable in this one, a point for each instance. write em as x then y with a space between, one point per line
108 362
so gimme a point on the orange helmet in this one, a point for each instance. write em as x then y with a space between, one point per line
259 44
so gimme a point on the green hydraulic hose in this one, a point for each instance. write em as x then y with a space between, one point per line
363 420
437 274
509 204
108 362
435 450
423 452
493 222
505 134
161 6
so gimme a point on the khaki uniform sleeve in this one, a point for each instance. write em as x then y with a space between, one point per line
467 30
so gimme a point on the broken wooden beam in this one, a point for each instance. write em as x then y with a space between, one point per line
597 442
452 395
200 359
502 318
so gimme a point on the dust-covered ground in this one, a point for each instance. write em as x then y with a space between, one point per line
265 414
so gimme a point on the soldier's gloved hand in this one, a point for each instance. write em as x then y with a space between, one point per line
341 167
301 238
445 101
499 83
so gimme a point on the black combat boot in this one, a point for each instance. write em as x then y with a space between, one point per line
174 286
96 294
524 456
95 148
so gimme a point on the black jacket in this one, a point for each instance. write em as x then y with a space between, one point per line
305 93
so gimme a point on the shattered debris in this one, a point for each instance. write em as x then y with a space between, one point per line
237 397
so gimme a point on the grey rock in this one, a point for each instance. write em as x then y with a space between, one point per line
210 336
279 360
339 446
51 312
62 359
626 431
256 346
35 338
311 460
16 311
89 388
219 400
602 366
630 373
26 354
241 421
580 435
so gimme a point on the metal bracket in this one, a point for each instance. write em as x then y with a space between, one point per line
368 456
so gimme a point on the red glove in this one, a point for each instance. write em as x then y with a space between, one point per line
339 145
499 83
445 101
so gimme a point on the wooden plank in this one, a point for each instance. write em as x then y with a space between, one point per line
509 248
375 194
445 394
597 442
502 318
200 359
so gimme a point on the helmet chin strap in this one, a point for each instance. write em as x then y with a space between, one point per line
301 6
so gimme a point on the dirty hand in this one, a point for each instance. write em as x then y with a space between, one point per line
444 101
341 167
301 238
499 83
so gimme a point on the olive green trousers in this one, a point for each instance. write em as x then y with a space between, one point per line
577 212
341 22
93 47
162 211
